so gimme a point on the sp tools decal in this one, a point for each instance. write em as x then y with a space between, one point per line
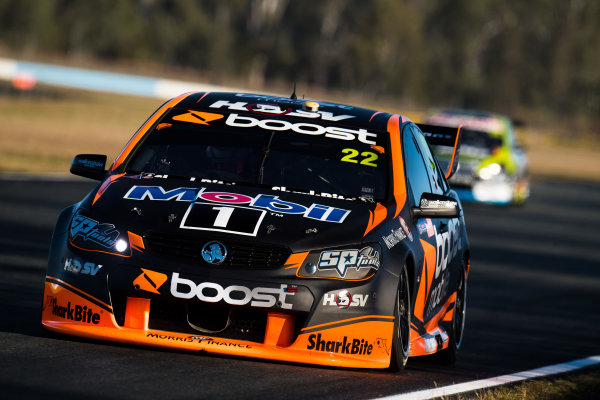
345 346
341 260
103 234
197 117
150 281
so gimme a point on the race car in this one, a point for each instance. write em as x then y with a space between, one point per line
267 227
493 167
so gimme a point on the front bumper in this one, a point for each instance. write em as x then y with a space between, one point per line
494 192
118 304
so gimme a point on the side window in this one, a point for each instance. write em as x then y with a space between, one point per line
438 183
416 171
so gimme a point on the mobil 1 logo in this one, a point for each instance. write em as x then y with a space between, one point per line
223 218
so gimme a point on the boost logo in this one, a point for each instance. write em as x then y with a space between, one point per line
150 281
235 294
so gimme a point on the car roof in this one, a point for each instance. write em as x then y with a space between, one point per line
361 117
485 121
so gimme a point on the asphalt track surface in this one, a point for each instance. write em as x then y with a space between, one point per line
533 296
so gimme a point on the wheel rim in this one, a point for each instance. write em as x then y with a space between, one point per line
460 307
402 310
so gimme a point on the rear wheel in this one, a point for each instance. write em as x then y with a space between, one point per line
401 339
448 356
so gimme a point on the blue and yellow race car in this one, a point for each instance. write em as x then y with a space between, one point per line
493 167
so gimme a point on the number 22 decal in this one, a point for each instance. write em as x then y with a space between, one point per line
352 154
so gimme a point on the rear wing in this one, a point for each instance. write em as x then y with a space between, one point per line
437 135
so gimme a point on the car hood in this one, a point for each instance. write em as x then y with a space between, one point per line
216 211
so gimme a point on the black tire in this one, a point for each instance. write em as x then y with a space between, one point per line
402 315
448 355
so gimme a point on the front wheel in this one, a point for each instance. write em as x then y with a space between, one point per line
402 312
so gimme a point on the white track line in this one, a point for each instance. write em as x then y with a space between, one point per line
497 381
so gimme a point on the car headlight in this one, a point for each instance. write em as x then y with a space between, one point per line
89 234
490 171
353 263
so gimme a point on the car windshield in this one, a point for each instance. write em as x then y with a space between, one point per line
259 156
474 145
479 143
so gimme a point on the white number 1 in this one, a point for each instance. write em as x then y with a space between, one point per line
223 216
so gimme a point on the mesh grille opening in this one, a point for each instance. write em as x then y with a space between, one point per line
188 249
173 316
243 324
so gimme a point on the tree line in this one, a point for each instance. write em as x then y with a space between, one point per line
496 54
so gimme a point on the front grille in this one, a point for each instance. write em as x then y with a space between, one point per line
205 319
238 255
223 322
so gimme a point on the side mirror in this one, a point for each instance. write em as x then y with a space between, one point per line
89 166
436 206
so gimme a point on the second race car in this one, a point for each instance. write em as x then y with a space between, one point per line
493 167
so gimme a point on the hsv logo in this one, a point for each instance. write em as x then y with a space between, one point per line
274 109
150 281
86 268
197 117
344 299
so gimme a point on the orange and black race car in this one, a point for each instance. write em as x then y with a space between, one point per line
267 227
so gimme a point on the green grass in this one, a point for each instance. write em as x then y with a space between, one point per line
43 130
581 385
